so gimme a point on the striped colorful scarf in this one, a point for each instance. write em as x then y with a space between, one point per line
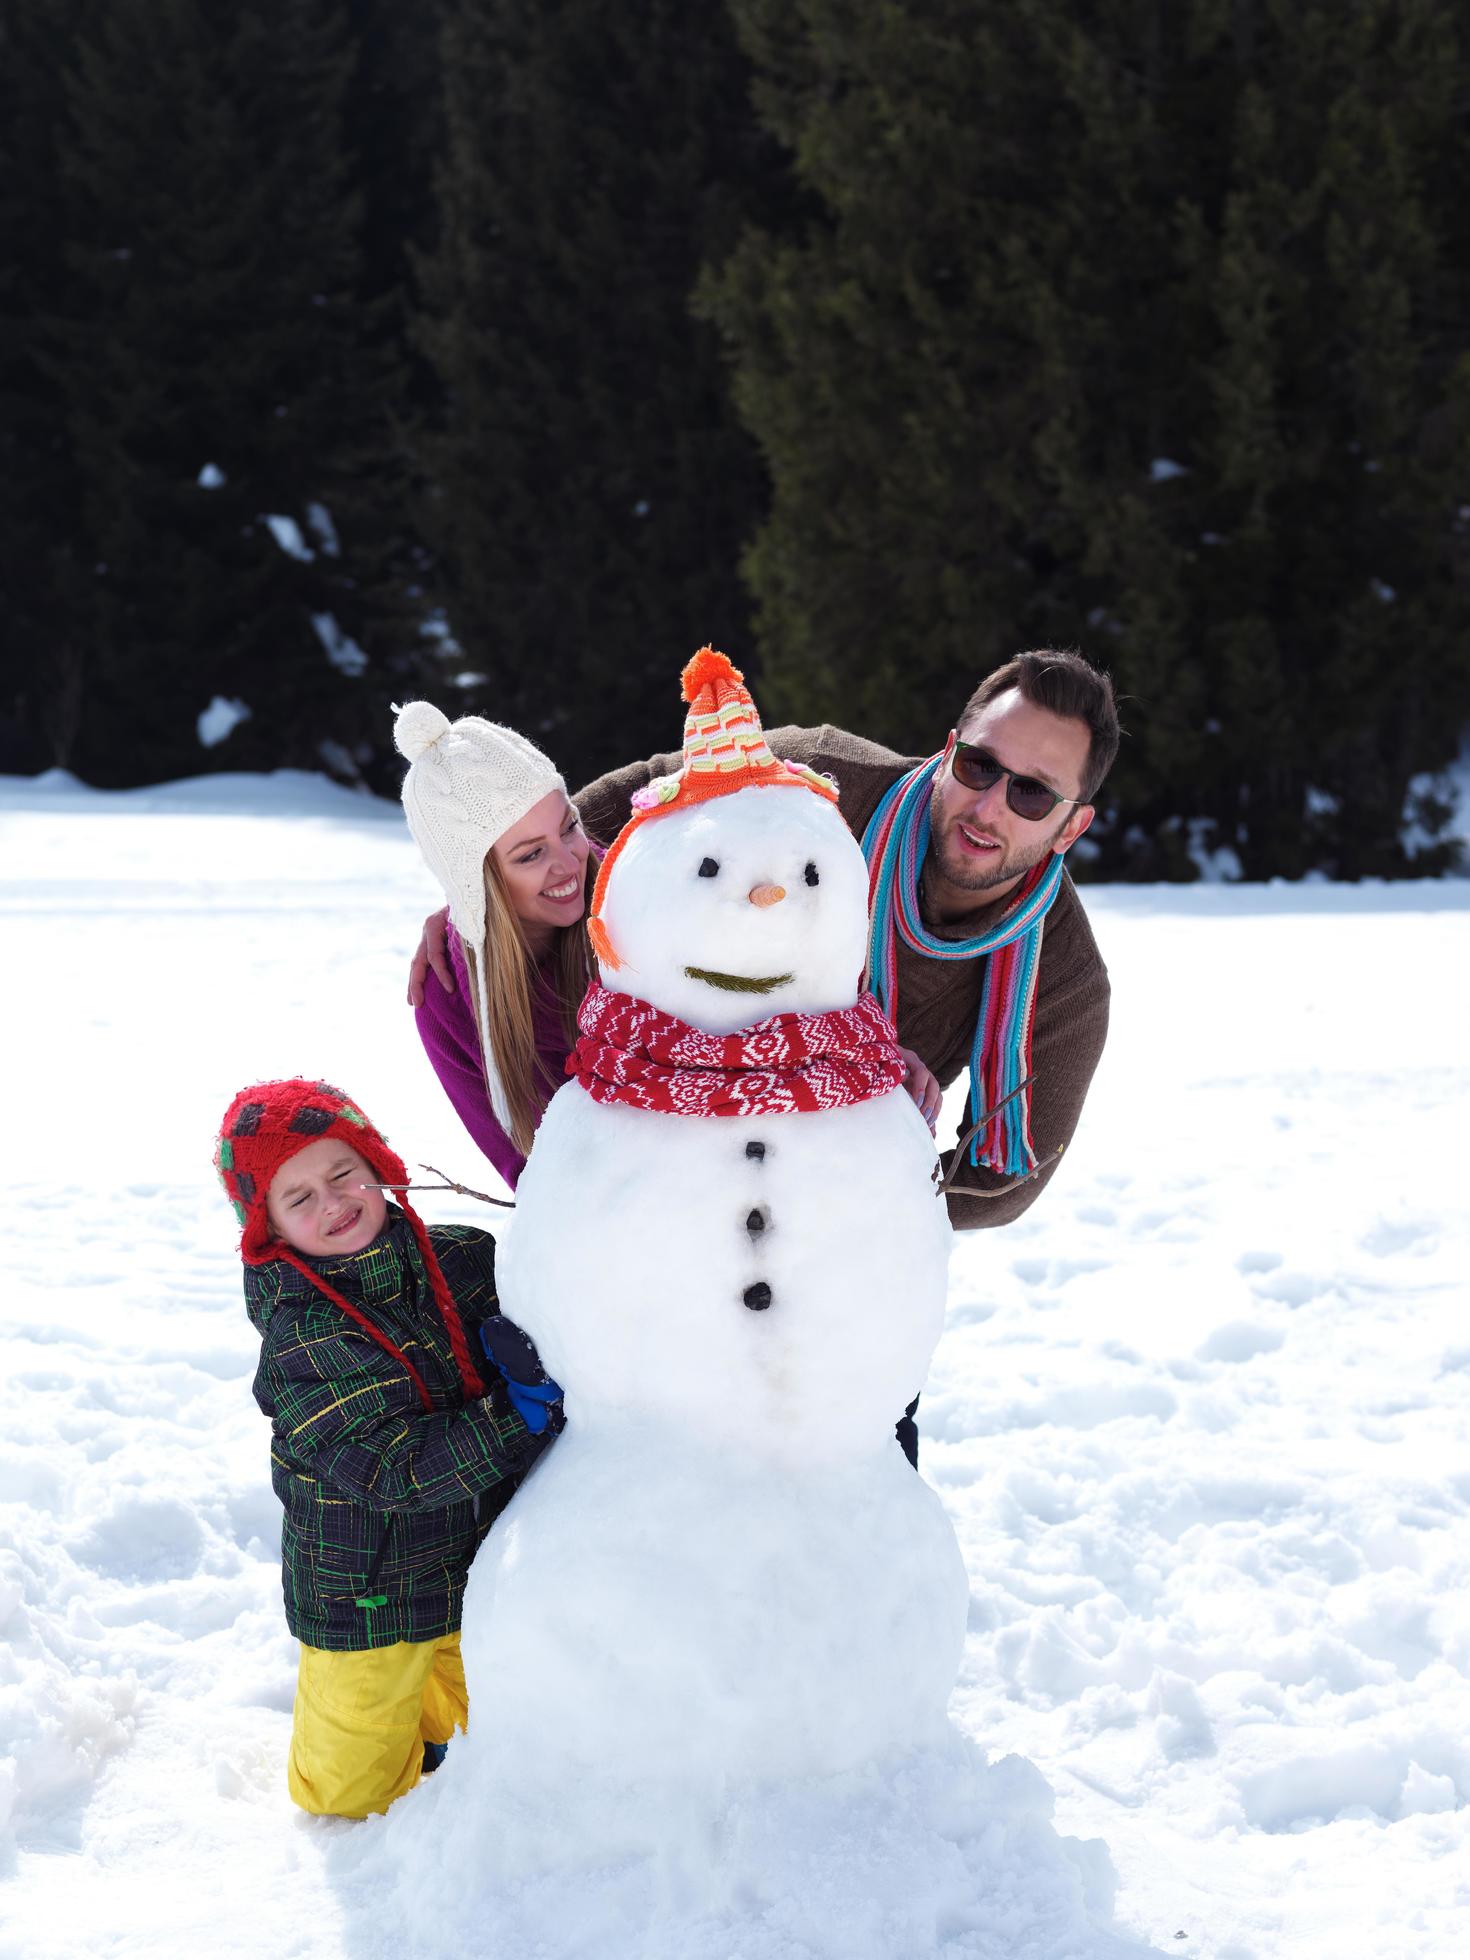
895 843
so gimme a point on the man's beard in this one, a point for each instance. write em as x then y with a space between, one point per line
966 875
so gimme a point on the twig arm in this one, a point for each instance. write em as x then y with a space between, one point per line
985 1117
1011 1183
449 1184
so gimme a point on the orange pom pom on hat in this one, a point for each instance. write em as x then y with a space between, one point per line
725 750
264 1127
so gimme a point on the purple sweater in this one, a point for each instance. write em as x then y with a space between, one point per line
446 1024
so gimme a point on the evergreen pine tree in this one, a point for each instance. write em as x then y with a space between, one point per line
394 121
225 401
925 359
591 489
41 648
1131 326
1329 611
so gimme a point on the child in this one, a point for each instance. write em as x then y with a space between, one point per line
389 1454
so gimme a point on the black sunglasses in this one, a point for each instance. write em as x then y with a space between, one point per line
977 769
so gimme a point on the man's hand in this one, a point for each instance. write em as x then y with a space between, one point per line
922 1086
431 951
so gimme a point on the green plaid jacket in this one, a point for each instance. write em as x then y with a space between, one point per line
380 1494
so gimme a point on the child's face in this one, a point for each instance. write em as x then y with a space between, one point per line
321 1201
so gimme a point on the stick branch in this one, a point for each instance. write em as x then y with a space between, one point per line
506 1204
978 1125
999 1190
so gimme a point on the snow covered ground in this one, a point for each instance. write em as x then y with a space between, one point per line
1200 1418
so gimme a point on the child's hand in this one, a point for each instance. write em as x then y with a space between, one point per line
535 1397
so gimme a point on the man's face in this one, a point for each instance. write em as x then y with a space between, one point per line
978 845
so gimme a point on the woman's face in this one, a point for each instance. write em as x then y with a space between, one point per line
543 863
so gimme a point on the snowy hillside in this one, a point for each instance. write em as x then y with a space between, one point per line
1201 1419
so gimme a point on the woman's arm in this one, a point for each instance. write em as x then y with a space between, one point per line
606 804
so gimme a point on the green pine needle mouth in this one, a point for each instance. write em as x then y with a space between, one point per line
735 983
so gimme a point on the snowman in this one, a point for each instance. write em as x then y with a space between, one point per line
729 1249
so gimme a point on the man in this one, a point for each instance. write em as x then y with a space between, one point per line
1011 793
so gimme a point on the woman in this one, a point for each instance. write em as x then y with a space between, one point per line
493 820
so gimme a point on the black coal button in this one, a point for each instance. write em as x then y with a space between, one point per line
757 1297
756 1150
755 1224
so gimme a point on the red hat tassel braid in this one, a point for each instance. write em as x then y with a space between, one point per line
474 1388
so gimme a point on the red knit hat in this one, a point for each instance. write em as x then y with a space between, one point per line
264 1127
725 750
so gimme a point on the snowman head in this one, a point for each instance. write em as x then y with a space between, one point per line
735 891
740 907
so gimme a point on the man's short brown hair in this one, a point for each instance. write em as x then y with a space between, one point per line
1061 681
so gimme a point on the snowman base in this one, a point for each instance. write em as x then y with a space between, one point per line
696 1757
938 1853
653 1615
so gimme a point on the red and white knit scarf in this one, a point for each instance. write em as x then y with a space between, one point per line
631 1052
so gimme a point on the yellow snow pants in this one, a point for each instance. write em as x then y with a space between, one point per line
361 1721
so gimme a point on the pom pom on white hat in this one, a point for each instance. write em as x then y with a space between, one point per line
418 727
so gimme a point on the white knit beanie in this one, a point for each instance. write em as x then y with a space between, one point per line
468 781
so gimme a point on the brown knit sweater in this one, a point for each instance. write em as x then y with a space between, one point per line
938 1000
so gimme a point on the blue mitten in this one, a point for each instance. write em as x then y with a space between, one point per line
534 1396
537 1404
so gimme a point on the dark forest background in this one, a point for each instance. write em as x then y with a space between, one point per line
506 350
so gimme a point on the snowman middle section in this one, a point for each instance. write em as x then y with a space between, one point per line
773 1282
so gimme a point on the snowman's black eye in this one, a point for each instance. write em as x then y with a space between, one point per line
709 869
813 876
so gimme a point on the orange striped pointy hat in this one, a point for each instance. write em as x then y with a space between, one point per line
725 750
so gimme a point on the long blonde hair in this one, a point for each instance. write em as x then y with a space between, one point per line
504 984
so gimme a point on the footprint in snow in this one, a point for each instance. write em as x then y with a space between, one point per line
1258 1262
1385 1238
1292 1288
1371 1780
1097 1215
1239 1340
971 1313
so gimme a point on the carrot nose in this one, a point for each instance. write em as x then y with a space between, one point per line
767 894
